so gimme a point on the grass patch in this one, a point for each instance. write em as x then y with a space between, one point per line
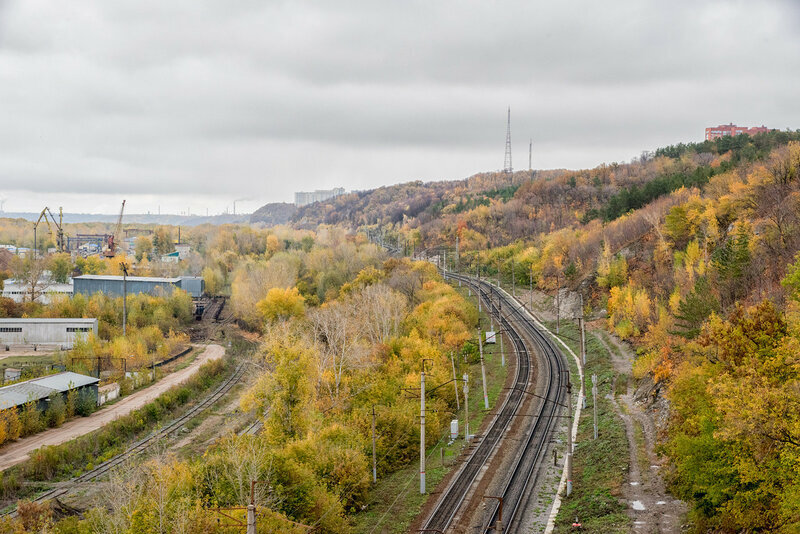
599 466
396 501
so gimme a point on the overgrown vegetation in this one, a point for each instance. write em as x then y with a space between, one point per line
599 466
60 462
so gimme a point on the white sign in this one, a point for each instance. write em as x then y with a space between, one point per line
490 337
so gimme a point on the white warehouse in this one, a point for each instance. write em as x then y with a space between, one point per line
48 332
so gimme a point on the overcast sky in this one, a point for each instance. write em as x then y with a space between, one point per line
190 105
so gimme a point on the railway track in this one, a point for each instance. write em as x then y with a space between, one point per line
453 496
142 445
531 456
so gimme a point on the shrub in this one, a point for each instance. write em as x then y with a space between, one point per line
56 411
31 419
86 403
13 425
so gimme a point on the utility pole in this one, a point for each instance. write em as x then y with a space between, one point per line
455 379
513 281
422 430
498 276
251 518
502 352
594 403
374 457
478 274
124 267
558 304
483 371
466 407
458 256
530 287
568 457
583 334
530 155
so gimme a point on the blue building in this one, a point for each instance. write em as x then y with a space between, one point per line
89 284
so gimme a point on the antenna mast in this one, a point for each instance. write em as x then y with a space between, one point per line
507 163
530 155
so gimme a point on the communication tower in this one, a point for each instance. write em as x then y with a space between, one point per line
507 168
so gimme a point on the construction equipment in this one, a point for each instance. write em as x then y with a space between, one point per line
58 236
114 239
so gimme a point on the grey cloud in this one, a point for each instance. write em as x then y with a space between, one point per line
225 98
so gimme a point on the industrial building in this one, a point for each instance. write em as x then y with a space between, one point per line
112 285
39 390
59 333
301 198
45 291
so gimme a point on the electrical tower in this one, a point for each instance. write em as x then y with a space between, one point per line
530 155
507 164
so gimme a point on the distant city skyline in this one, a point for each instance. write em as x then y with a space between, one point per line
195 105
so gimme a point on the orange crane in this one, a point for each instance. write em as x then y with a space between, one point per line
113 240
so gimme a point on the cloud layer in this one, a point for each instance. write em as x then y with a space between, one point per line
192 104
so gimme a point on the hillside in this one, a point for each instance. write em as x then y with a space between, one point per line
274 214
691 255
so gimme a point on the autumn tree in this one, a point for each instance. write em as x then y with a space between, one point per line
695 308
60 267
143 248
281 304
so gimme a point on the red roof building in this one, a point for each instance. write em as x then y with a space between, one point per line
715 132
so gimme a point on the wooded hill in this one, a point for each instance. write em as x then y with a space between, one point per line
691 254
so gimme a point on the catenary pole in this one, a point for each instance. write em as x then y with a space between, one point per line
455 379
466 407
374 457
422 431
568 458
483 371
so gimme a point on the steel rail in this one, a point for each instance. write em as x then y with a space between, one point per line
453 496
529 461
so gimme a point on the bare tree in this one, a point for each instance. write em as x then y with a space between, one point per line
381 311
338 330
30 272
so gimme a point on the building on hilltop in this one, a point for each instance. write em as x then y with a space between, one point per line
723 130
302 198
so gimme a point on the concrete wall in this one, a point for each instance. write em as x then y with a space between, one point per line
60 332
107 393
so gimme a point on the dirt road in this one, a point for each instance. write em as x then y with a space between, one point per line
652 509
20 451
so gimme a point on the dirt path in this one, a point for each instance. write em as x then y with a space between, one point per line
650 507
20 451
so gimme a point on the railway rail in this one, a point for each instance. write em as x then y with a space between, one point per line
453 496
532 455
142 445
512 319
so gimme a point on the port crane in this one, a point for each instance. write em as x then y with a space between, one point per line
113 240
58 235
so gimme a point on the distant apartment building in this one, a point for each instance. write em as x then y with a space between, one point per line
302 198
723 130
